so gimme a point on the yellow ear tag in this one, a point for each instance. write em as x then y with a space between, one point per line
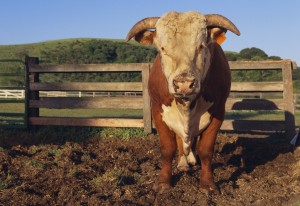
221 38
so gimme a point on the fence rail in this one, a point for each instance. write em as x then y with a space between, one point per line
35 98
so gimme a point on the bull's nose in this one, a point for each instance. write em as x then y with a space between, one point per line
184 86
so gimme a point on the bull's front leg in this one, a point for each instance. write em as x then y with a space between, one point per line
206 151
168 149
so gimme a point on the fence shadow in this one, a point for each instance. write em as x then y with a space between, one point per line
253 150
263 142
42 135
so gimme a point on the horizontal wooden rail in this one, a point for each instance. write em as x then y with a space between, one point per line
88 86
73 68
257 65
257 86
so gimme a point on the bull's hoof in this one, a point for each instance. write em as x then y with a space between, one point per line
209 189
160 187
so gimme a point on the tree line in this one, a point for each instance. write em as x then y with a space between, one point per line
98 51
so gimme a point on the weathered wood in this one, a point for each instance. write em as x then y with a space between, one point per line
95 122
253 125
255 65
88 103
256 87
254 104
67 68
88 86
146 99
288 96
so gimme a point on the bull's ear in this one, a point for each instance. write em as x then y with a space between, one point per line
145 37
217 34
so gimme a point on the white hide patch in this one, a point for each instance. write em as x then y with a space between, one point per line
188 124
184 161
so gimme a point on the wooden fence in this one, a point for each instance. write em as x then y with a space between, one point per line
284 103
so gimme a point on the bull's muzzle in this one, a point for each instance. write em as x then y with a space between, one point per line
184 86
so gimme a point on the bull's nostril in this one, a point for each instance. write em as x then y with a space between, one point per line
192 84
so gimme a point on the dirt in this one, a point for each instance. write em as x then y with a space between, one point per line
248 171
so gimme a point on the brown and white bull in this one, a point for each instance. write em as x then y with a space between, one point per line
188 85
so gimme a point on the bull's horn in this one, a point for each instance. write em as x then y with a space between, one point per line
221 21
144 24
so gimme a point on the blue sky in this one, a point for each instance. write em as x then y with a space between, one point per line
273 26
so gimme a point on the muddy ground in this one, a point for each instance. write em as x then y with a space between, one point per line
248 171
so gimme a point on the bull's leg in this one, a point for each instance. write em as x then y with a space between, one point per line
168 149
205 151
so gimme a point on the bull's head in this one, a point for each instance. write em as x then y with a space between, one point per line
182 40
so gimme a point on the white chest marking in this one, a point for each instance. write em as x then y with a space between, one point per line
187 123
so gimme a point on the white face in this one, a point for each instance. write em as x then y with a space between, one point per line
181 39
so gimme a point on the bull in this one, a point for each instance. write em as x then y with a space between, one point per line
188 85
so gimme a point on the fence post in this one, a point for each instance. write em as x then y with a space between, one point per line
31 77
288 97
146 99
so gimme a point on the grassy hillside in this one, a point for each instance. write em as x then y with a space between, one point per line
35 49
